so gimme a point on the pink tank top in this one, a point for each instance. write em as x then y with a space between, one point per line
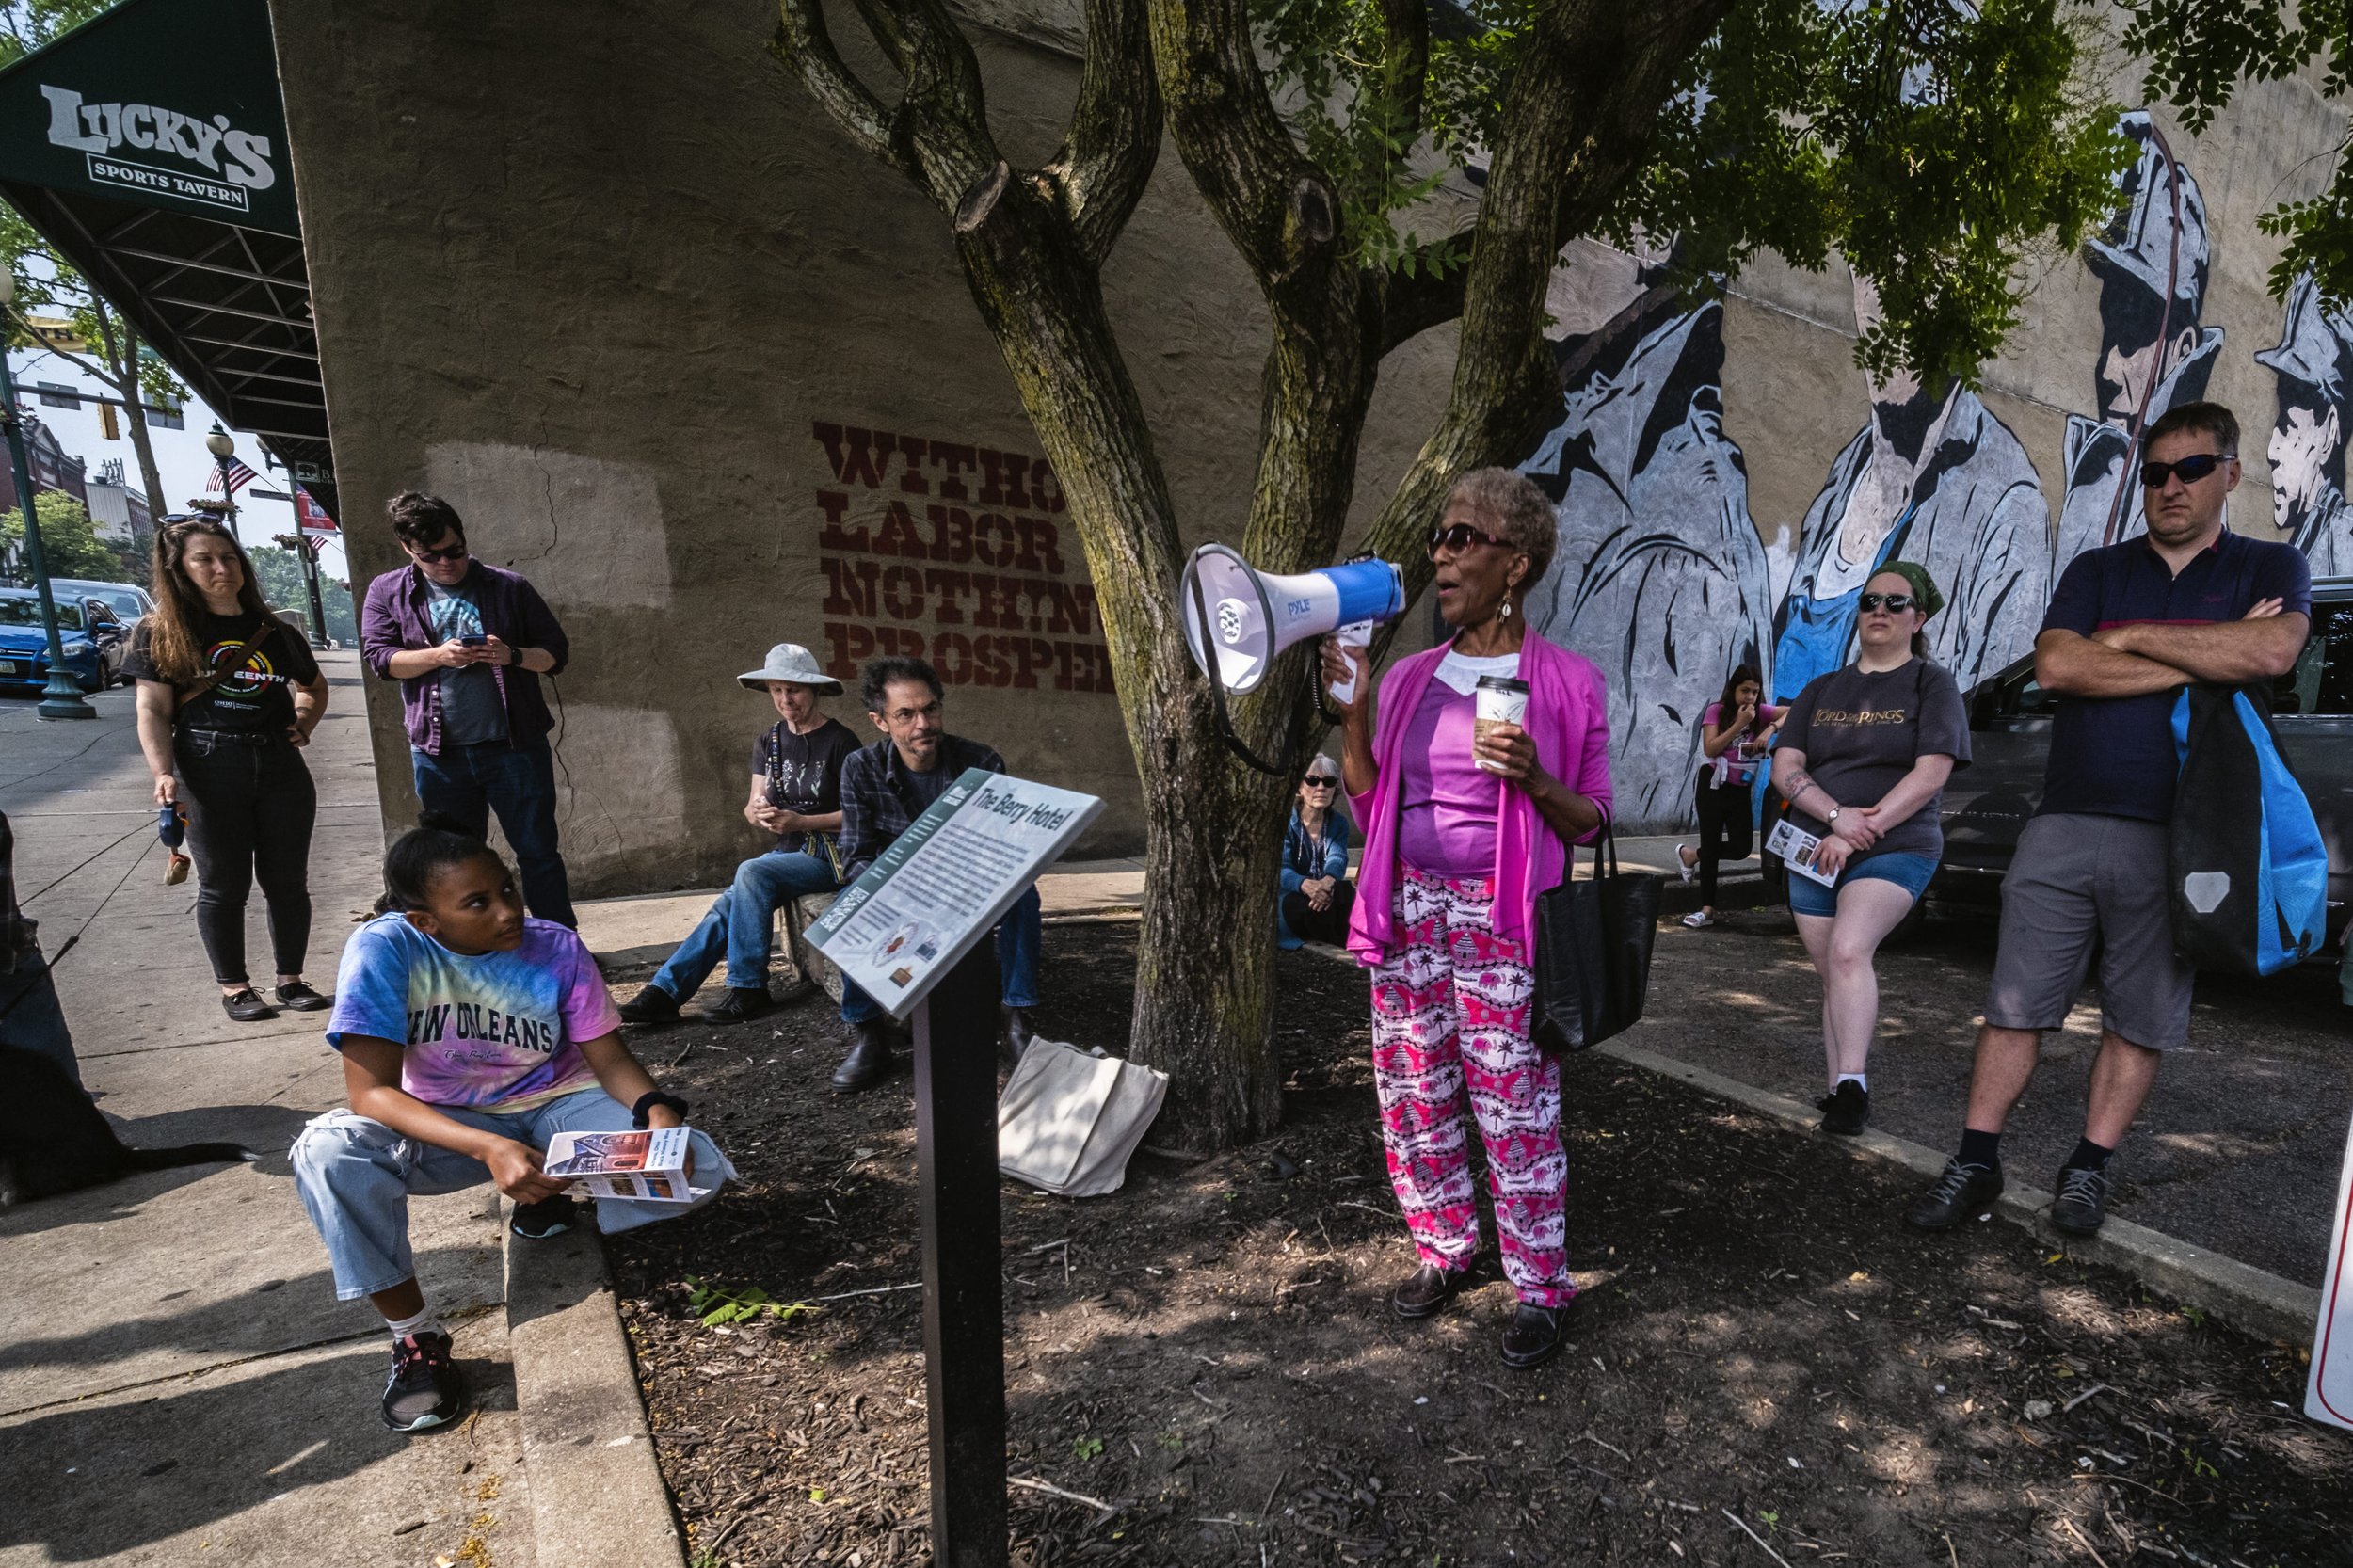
1448 805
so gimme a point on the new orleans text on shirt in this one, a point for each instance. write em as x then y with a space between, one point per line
468 1020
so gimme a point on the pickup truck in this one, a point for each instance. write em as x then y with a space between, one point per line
2009 723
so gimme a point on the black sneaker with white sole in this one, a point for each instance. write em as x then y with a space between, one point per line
1962 1192
536 1221
425 1389
2082 1204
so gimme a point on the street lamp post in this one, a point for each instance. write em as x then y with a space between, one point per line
61 697
222 448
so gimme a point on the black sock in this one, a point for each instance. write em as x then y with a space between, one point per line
2088 1156
1980 1148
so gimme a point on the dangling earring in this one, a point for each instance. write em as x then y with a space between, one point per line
1505 613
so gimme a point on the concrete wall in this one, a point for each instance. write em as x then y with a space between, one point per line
604 277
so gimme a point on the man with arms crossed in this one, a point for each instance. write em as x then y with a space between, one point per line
2130 625
884 789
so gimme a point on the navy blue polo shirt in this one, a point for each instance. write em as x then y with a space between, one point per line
2114 756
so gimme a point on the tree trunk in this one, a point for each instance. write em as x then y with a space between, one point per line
143 443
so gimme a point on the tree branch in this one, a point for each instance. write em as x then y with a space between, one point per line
1412 306
1407 24
805 46
941 126
1106 160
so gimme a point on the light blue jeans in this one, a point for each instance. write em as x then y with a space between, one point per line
738 926
1019 936
356 1177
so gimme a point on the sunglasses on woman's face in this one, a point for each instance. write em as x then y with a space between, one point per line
1895 603
455 552
2192 468
1317 781
1458 538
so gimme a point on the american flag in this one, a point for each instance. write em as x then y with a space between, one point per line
239 476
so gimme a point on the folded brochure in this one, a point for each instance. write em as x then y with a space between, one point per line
1797 849
648 1165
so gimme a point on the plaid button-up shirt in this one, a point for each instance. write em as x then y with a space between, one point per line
881 796
398 615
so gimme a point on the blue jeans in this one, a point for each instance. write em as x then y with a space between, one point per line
30 1018
1018 936
356 1176
517 779
737 928
1908 871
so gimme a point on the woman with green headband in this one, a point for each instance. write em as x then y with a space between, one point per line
1861 760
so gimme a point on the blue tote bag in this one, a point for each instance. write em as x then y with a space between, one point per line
2247 872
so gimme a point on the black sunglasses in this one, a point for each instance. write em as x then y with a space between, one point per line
455 552
1316 781
1460 536
1897 604
2192 468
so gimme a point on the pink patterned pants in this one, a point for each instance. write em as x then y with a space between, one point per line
1449 1014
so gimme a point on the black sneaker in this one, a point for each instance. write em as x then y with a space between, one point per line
1845 1110
1962 1192
740 1006
425 1388
300 997
536 1221
1532 1337
652 1005
2082 1204
1426 1290
246 1006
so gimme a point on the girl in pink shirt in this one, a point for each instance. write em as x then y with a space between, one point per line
1461 835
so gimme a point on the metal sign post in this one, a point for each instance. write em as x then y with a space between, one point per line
61 697
964 1308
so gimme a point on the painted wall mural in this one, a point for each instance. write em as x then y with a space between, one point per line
1662 577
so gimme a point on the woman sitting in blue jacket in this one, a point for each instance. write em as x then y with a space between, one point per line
1317 894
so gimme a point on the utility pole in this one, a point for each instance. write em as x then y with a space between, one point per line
61 697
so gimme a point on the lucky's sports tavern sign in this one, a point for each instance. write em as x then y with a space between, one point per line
169 104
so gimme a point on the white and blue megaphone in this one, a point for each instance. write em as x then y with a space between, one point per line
1253 615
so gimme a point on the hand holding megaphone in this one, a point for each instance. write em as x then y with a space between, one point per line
1347 664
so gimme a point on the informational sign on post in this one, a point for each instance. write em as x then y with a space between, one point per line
946 882
2328 1397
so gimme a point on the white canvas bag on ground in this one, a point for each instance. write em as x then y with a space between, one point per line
1068 1121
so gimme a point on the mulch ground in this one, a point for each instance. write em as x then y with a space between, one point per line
1762 1361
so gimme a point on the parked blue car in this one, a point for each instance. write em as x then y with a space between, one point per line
93 639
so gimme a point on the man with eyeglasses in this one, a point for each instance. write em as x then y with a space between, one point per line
885 787
2130 625
468 643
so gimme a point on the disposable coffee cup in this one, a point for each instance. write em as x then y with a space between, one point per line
1355 634
1501 700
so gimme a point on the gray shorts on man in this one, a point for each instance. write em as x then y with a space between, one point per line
2077 881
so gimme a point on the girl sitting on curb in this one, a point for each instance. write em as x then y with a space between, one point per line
470 1036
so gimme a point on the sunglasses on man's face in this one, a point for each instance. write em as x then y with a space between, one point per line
455 552
1317 781
1458 538
1894 603
2192 468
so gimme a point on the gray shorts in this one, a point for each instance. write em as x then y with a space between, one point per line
2075 879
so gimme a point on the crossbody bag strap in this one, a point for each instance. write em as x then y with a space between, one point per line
221 670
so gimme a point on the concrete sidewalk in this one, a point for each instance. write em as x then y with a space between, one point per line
177 1383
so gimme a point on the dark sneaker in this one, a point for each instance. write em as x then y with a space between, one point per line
425 1388
536 1221
1532 1337
740 1006
2082 1204
246 1006
870 1060
1962 1192
1845 1110
300 997
1426 1290
652 1005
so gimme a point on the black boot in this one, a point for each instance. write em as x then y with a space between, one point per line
869 1062
1015 1035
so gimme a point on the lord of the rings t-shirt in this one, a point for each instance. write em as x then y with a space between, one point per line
258 693
1862 732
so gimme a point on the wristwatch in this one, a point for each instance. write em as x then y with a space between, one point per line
1832 821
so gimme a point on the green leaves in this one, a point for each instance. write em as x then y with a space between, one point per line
717 1305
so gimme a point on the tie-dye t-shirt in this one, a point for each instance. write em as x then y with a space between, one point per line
500 1031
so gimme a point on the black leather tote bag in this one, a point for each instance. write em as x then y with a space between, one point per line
1592 951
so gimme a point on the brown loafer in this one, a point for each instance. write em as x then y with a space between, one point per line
1426 1290
1532 1337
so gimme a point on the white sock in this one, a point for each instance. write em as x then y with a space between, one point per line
427 1321
1858 1079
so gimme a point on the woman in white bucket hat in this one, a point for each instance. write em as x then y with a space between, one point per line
796 796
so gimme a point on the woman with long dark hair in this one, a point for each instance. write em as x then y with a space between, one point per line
228 695
1735 733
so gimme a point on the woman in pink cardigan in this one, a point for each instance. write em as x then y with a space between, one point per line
1460 837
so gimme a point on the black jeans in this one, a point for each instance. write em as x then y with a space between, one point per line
1726 829
1329 924
249 813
